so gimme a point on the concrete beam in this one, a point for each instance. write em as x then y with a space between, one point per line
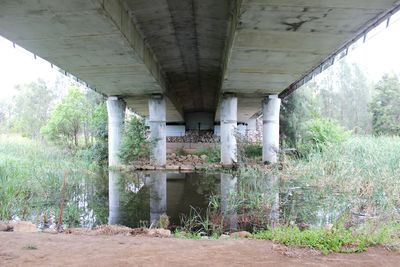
157 120
124 21
271 107
228 129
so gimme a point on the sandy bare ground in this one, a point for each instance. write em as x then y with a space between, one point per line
41 249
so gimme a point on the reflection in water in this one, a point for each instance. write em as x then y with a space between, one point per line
273 184
246 202
157 183
228 208
141 199
114 197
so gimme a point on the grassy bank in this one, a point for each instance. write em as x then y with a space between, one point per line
32 175
338 239
353 185
366 168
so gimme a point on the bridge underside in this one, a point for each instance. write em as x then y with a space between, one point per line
192 51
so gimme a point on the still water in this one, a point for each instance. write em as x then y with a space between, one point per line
139 199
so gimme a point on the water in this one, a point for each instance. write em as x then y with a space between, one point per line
140 199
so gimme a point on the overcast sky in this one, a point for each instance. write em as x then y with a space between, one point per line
380 54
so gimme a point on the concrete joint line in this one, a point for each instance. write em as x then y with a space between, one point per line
270 121
157 121
229 121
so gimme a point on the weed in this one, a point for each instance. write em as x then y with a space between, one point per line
336 240
32 176
30 247
213 153
181 152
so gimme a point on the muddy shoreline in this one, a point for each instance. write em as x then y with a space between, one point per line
42 249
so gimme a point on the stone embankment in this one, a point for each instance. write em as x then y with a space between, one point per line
176 162
195 136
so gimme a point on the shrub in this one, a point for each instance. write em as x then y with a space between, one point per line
320 132
213 153
134 141
247 150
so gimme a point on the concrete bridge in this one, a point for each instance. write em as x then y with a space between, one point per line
192 62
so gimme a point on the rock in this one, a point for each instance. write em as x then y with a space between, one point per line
241 234
148 167
328 227
158 232
199 167
5 227
217 166
303 226
204 238
25 227
204 157
223 236
172 167
50 231
195 157
172 156
187 168
159 167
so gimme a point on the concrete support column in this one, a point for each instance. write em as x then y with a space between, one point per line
157 121
228 193
114 216
157 182
116 115
271 107
228 130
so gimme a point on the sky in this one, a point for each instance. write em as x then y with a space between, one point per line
378 55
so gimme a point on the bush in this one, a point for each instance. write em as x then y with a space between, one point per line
320 132
252 150
134 142
247 150
213 153
338 239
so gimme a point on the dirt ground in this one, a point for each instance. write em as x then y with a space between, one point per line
43 249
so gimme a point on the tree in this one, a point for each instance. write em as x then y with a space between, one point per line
296 108
385 106
134 141
67 118
32 107
5 114
99 130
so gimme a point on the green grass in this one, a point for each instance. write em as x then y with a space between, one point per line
339 239
30 247
213 153
358 176
367 168
32 174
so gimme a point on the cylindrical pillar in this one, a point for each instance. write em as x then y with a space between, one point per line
228 193
228 130
114 216
116 115
157 121
157 182
271 107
